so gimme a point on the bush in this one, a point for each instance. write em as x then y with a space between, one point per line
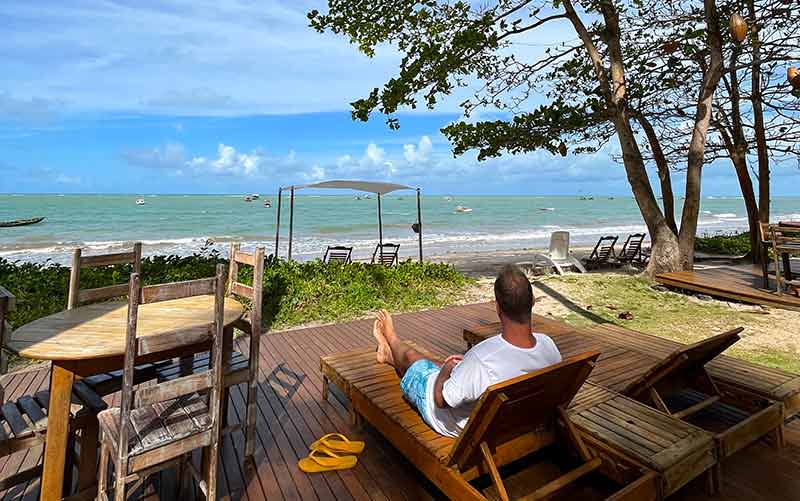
732 244
294 293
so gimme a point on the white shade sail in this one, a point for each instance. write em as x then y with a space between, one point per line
379 188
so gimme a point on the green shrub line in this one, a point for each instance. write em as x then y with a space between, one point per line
294 292
727 244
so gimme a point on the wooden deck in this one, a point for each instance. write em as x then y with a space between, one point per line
742 283
292 415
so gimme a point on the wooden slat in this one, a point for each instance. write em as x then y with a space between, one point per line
108 259
15 420
100 293
242 290
177 290
170 390
244 258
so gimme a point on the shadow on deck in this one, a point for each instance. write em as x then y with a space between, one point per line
292 415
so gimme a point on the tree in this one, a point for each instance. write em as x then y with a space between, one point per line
446 45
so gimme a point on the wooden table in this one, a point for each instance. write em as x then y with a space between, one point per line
91 340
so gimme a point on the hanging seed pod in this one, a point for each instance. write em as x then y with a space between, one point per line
669 46
793 76
562 149
738 28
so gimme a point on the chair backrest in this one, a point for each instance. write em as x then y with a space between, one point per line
764 233
385 254
632 248
519 406
337 254
7 303
681 367
604 248
137 346
559 245
255 292
77 296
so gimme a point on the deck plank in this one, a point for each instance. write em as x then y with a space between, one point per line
291 414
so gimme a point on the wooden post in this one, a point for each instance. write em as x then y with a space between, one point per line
74 279
278 223
291 222
380 229
419 223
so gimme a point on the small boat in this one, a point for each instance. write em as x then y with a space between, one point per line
267 204
140 201
547 209
21 222
448 199
255 196
248 198
463 209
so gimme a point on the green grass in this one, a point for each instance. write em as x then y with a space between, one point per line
294 293
600 298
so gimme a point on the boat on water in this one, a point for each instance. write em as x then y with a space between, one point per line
463 209
547 209
248 198
448 198
21 222
140 201
255 196
267 204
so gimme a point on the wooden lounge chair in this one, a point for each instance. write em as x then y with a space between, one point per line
337 254
386 254
159 426
239 368
23 422
680 386
512 420
603 252
632 249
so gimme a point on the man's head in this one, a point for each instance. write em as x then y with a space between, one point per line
514 295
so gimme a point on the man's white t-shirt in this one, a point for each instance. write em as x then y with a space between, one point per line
492 361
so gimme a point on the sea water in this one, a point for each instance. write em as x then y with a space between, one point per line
185 224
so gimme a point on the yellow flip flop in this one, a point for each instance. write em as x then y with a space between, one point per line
317 463
336 442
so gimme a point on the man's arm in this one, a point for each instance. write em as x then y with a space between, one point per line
438 385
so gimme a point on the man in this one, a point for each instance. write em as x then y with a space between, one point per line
445 395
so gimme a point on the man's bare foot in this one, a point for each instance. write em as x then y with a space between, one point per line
384 352
388 326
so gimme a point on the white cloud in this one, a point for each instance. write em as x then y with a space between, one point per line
414 154
230 162
169 156
374 154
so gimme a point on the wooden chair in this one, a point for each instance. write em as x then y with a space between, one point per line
23 422
680 386
337 254
239 368
386 254
603 252
158 426
632 249
765 237
785 240
109 382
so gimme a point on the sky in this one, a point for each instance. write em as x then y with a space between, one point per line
197 96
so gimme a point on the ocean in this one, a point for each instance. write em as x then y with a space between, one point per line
184 224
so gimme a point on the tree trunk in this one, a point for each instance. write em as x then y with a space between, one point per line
697 145
758 121
663 171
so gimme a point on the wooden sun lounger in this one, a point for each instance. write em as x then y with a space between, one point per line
386 254
603 252
649 442
337 254
632 249
747 383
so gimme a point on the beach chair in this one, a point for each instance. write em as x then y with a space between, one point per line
337 254
159 426
632 249
386 254
559 256
239 368
23 421
785 240
765 238
603 252
108 382
515 419
680 386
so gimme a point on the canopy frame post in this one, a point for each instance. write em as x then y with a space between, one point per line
278 223
419 223
291 221
380 229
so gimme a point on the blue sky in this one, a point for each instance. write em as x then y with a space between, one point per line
199 96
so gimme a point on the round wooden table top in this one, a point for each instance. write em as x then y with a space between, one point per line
98 330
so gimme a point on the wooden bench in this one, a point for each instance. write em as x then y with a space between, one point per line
676 451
